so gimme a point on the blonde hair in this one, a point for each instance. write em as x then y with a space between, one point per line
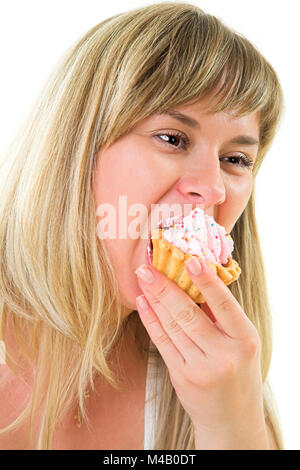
57 284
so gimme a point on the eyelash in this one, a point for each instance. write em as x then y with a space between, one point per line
246 162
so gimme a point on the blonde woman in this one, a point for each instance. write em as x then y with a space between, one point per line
162 104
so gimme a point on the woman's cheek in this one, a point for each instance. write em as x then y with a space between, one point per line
237 196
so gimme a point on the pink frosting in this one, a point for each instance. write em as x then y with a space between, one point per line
199 234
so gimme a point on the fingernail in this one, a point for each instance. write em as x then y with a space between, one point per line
145 274
142 302
194 265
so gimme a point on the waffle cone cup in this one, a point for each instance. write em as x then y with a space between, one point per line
169 260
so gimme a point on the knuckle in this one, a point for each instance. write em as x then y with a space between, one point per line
207 282
192 374
204 377
225 305
207 381
162 339
251 346
173 327
228 369
156 302
152 322
187 315
162 291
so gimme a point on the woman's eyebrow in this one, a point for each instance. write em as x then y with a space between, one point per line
240 139
244 140
182 118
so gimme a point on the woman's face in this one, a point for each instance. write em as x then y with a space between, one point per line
148 167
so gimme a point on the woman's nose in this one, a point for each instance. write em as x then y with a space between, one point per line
203 186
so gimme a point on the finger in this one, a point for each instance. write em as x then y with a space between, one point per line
170 354
226 309
203 331
183 310
172 296
184 344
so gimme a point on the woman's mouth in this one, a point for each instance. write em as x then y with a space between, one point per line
167 222
164 223
149 250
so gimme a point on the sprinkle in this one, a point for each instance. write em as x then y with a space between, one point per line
211 224
217 236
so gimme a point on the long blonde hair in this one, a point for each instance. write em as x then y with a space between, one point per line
57 284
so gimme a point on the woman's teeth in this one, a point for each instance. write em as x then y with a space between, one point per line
167 222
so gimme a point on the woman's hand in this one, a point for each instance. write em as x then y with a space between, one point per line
213 358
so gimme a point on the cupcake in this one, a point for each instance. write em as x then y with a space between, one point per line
179 238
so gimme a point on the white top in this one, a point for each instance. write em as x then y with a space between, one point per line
153 388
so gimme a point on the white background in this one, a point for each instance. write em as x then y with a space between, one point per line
33 35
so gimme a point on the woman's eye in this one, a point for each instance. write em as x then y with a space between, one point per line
239 160
172 140
181 142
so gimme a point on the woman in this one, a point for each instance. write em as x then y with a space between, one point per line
149 105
